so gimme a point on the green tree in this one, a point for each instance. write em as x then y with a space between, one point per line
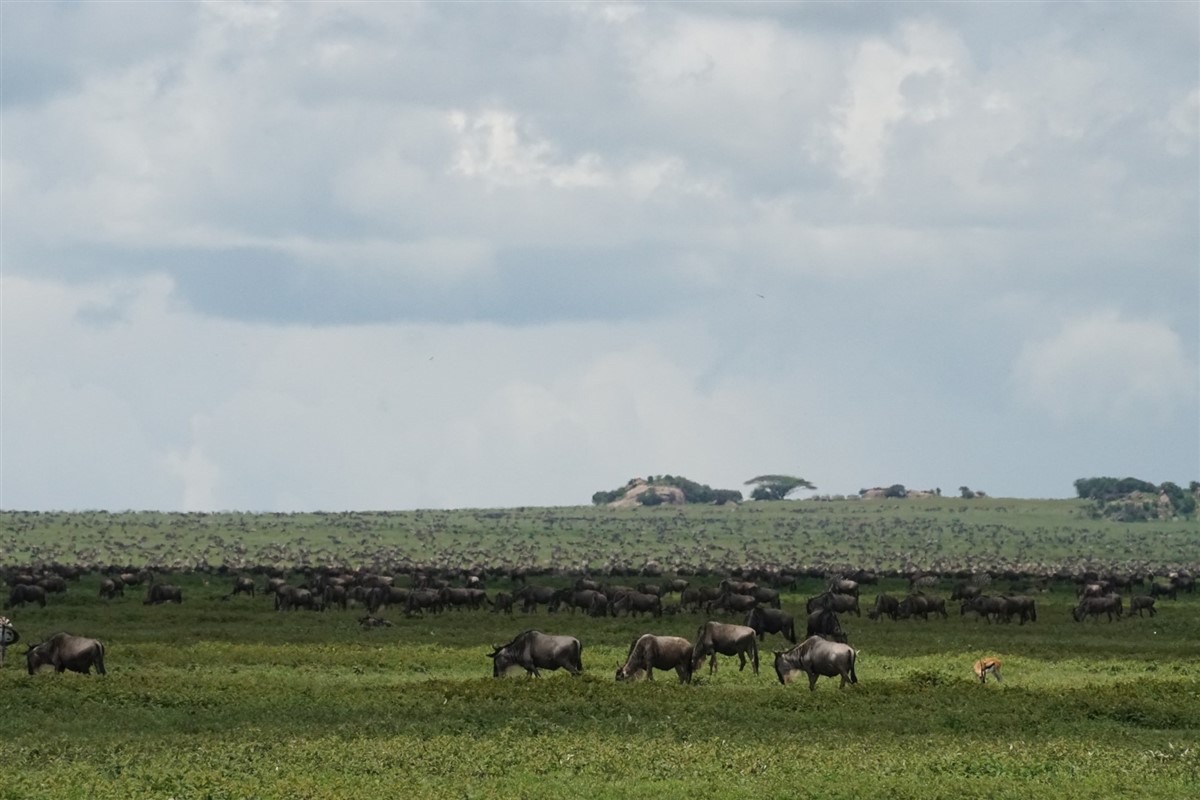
776 487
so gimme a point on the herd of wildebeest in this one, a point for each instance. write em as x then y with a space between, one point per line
753 597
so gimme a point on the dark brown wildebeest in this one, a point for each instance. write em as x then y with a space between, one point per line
1095 606
650 588
420 600
335 594
920 605
503 601
532 596
737 587
677 585
534 651
816 657
986 606
373 622
586 583
1022 606
460 598
824 622
64 651
766 596
383 596
581 599
843 586
109 588
964 591
243 585
633 603
599 606
649 652
728 640
163 593
289 598
884 604
24 593
53 584
734 603
771 620
1140 602
841 603
1169 591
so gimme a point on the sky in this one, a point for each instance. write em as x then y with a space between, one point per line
333 256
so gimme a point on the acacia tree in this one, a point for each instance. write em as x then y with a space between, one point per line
776 487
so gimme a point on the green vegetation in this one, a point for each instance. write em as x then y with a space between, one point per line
230 699
1136 500
227 698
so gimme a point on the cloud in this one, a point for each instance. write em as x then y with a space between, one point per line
1104 368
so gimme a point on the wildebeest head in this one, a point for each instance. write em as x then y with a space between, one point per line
785 670
502 657
36 656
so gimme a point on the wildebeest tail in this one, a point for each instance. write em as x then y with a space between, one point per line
853 660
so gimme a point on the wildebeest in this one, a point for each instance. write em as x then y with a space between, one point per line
728 640
840 603
1140 602
633 603
1168 591
844 586
884 604
816 657
964 591
110 588
24 593
824 622
771 620
64 651
531 596
533 651
649 652
373 622
243 585
503 601
920 605
988 665
986 606
419 600
735 603
1095 606
163 593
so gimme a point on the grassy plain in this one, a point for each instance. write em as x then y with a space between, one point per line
230 699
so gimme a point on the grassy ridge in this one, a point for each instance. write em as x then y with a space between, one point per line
229 699
885 534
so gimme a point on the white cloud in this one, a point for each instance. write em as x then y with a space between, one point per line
1104 368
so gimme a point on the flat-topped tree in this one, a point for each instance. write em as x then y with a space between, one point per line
776 487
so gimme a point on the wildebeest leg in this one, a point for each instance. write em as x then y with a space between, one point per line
812 681
741 660
712 663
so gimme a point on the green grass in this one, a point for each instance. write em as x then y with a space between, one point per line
886 534
230 699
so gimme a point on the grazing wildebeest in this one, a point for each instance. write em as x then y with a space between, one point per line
919 605
766 596
735 603
737 587
884 604
1020 605
64 651
532 596
24 593
634 603
460 598
843 586
824 622
986 606
110 588
649 652
1095 606
816 657
1168 591
964 591
534 651
382 596
163 593
674 585
840 603
581 599
53 584
503 601
243 585
1140 602
419 600
335 594
771 620
988 665
728 640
